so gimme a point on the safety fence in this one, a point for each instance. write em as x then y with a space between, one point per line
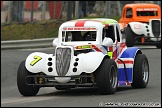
20 44
20 11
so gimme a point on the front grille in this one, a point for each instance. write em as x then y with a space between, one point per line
156 27
63 57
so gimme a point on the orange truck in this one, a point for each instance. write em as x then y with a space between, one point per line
141 24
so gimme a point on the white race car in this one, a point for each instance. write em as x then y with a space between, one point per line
88 53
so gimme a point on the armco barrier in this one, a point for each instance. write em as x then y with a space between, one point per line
33 43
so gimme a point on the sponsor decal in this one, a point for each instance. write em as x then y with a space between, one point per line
137 26
79 28
84 47
146 9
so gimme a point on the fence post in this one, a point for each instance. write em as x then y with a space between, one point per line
32 8
69 9
106 12
109 8
76 9
43 10
8 17
119 8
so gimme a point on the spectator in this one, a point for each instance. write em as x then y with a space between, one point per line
82 8
99 8
91 5
81 14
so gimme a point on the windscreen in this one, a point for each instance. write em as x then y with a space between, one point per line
147 12
72 36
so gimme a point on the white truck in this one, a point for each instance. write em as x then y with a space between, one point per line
88 53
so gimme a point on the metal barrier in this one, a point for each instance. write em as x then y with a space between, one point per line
33 43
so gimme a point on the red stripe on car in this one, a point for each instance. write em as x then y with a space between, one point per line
80 23
96 48
125 61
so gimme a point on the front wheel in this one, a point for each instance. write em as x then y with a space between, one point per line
158 46
24 89
129 35
140 71
106 77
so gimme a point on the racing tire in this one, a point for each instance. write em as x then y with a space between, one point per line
140 71
129 35
62 87
106 77
24 89
158 46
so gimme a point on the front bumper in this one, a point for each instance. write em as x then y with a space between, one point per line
50 81
143 40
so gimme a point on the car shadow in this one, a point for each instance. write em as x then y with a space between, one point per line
81 91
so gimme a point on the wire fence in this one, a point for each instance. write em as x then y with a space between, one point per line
23 11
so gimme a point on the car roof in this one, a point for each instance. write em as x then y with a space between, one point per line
89 22
146 5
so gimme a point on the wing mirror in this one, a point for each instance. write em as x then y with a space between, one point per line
107 42
55 42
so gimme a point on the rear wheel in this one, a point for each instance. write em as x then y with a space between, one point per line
140 72
106 77
23 88
129 35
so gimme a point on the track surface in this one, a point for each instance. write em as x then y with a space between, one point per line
79 97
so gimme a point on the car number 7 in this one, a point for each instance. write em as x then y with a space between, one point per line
36 59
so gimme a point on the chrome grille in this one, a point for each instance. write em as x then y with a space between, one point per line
63 57
156 27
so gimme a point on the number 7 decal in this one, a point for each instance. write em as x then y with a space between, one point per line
36 59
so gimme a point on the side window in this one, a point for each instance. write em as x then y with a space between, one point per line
110 33
103 33
117 33
129 13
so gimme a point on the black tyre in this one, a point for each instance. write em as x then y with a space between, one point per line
106 77
62 87
140 71
23 88
129 35
158 46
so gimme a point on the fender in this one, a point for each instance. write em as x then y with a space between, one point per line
128 57
138 27
38 62
87 62
130 52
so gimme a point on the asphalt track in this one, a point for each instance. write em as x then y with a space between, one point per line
79 97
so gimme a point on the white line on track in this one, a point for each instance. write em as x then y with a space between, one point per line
25 99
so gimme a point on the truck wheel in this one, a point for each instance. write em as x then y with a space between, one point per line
62 87
129 35
23 88
140 71
106 77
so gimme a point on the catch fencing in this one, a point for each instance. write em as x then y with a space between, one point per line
22 11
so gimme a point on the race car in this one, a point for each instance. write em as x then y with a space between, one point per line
88 53
141 23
